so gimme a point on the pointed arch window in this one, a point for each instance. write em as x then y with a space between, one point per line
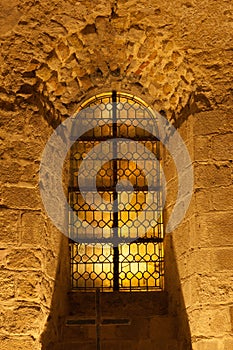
120 246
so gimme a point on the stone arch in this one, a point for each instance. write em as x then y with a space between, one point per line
75 69
81 52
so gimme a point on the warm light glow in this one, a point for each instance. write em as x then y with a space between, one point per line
140 263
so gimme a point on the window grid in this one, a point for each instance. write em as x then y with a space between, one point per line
135 261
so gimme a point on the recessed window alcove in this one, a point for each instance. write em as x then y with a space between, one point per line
119 247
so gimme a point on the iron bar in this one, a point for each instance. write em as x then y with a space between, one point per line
84 138
115 197
111 188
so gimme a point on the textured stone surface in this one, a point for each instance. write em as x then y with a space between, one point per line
177 56
202 245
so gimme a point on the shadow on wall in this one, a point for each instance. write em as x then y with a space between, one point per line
176 306
59 304
51 335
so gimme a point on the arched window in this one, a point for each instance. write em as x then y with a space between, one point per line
116 229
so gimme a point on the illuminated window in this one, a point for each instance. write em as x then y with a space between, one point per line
120 246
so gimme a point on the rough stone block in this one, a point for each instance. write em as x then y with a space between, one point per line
212 175
220 198
200 261
222 147
10 15
7 285
50 260
203 200
169 168
187 288
33 228
18 343
202 148
209 229
9 226
181 238
39 128
223 259
30 174
213 122
216 288
10 172
207 344
211 322
44 73
30 150
21 197
28 285
31 316
11 125
47 288
23 259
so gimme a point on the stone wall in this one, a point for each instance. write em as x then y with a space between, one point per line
199 251
178 243
212 244
177 56
30 245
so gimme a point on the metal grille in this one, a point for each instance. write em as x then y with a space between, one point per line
120 248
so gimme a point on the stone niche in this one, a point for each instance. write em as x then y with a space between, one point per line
177 57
